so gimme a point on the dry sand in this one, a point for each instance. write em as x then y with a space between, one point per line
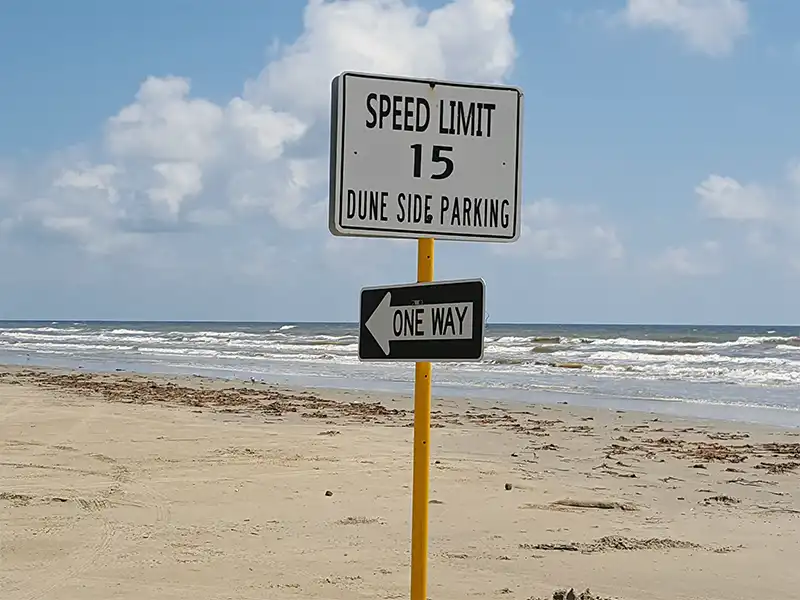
128 487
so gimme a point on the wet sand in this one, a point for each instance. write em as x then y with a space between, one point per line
128 486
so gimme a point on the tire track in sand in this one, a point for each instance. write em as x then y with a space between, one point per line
48 578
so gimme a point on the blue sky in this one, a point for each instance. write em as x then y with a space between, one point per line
167 160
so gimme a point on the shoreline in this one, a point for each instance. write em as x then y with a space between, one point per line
166 486
395 400
675 409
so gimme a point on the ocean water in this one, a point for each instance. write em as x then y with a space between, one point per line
735 373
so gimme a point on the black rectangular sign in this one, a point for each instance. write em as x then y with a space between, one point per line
436 322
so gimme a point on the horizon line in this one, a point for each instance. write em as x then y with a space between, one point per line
496 323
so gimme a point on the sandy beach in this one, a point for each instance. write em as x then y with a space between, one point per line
125 486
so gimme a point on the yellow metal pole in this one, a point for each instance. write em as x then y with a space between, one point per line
422 450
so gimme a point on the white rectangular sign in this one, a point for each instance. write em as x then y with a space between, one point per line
414 158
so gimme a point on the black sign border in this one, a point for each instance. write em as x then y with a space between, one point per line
462 290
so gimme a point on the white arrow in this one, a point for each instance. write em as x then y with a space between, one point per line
422 322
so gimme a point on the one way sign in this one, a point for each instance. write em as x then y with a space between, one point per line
441 321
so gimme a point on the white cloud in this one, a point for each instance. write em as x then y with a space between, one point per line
708 26
286 191
755 205
82 203
766 218
704 259
171 161
468 39
559 231
89 177
181 180
726 198
163 125
263 131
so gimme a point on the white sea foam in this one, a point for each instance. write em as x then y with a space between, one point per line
761 368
